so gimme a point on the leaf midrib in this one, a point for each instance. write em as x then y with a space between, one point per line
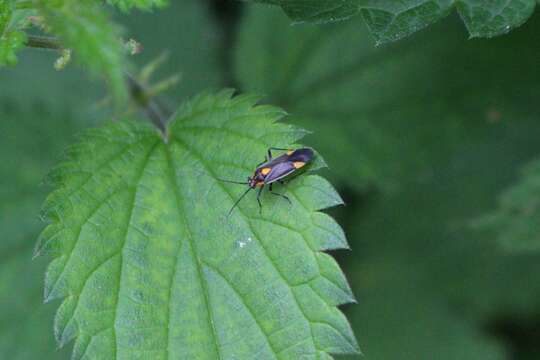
181 214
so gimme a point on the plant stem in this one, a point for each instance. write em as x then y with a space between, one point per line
153 109
43 42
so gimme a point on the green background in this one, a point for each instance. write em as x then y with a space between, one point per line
421 137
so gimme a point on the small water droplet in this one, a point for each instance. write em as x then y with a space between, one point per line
243 243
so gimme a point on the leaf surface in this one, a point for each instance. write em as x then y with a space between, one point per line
390 20
139 4
149 265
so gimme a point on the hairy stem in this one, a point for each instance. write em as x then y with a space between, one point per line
154 110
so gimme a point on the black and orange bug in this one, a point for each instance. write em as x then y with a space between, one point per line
272 170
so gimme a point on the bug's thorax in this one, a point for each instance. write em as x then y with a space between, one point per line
257 179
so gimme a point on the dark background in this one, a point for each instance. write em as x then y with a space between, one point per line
421 137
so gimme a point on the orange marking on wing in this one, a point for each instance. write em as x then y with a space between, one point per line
265 171
298 164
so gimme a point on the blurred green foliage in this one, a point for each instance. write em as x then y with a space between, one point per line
85 27
421 136
515 222
32 136
11 38
189 37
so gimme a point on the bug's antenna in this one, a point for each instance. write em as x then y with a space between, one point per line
232 182
238 201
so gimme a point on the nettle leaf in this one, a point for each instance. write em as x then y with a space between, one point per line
84 27
390 20
150 266
515 224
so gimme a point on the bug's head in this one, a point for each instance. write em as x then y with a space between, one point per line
252 182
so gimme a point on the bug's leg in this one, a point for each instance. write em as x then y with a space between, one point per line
259 199
270 152
278 194
275 148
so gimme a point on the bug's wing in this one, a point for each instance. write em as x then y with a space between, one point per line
279 171
304 155
274 161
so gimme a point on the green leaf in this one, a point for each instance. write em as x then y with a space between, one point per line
6 10
319 11
84 27
10 43
488 18
11 39
374 111
390 20
139 4
515 223
149 264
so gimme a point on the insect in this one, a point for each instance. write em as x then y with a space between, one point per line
272 170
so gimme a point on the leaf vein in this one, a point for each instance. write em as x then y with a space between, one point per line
129 218
179 205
